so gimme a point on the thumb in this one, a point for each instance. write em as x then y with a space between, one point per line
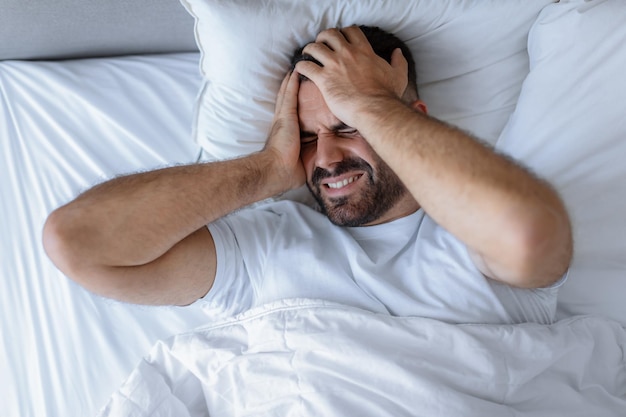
398 61
401 68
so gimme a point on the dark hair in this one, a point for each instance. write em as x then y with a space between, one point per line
383 43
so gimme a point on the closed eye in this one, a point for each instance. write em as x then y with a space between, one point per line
307 138
342 129
347 132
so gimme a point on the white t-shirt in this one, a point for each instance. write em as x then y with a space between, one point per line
408 267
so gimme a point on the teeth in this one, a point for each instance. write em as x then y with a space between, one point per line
341 184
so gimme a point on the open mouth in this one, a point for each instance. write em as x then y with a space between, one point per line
343 183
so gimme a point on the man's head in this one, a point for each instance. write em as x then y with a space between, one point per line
350 182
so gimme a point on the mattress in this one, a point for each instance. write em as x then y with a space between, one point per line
66 126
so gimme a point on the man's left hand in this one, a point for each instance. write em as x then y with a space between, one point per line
352 75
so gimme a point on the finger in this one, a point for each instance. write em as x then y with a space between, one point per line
354 35
398 61
333 38
283 84
290 95
319 51
310 70
281 90
400 66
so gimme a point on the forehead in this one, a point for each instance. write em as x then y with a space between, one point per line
312 109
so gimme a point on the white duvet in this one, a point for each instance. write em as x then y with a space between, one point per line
312 358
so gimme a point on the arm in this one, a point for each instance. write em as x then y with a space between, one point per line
513 223
142 238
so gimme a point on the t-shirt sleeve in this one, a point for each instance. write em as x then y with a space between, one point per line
536 305
241 244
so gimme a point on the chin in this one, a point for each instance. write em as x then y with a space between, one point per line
343 213
364 207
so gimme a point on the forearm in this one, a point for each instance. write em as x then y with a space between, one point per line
488 201
134 219
446 170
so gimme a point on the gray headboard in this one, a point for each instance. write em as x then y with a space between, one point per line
56 29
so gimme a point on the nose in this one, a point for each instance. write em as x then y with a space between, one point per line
329 151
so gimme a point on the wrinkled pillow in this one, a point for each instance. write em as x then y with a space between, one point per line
570 127
471 58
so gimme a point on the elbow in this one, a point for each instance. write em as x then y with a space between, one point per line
54 240
68 241
60 243
544 250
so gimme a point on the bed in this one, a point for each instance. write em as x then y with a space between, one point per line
91 91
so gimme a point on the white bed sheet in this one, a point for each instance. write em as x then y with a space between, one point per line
310 358
65 126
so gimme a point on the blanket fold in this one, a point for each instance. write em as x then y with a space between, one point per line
312 358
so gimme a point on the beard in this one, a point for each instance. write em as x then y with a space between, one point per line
381 191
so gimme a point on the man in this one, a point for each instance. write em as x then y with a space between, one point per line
494 240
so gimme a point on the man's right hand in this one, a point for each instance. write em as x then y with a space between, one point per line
284 138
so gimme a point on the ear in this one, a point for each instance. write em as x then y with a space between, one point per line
419 105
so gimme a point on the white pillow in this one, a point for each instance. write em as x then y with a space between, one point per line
470 54
570 127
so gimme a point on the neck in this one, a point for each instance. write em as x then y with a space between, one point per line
406 206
